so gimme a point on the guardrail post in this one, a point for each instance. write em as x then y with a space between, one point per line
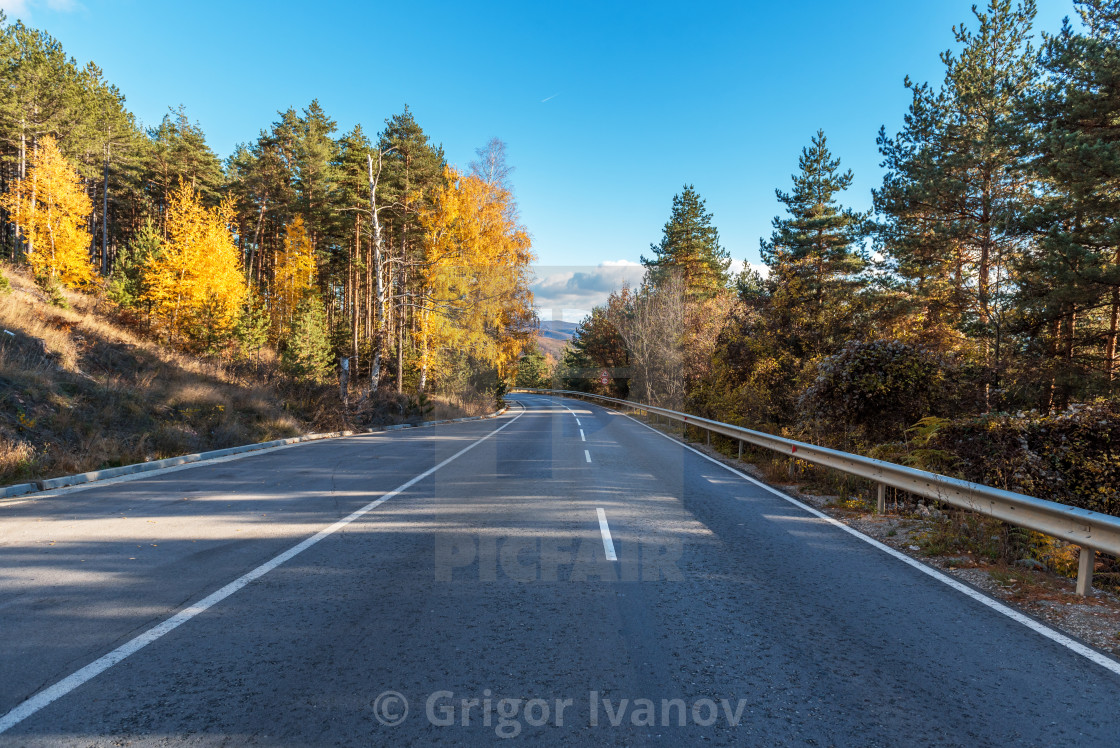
709 433
1085 565
1041 515
881 498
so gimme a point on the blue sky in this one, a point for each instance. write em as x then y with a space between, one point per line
607 108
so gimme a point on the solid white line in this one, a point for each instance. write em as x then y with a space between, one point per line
1055 636
582 438
100 665
608 544
587 455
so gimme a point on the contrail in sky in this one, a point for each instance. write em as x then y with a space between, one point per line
549 97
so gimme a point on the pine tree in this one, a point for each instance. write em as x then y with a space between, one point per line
126 285
315 173
533 370
306 352
413 170
51 207
815 255
1074 269
922 255
178 152
251 331
596 345
953 191
108 145
690 247
352 200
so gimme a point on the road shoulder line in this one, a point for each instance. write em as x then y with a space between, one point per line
48 696
1038 627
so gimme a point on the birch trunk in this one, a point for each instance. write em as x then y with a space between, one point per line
105 210
379 301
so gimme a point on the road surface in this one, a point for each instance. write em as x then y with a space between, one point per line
561 575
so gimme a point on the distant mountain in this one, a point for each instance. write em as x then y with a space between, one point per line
557 329
553 334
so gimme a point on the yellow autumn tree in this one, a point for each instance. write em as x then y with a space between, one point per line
194 286
293 277
476 299
51 209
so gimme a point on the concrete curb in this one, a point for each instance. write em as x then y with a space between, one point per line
21 489
143 467
427 424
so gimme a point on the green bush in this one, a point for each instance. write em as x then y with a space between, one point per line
877 389
1072 457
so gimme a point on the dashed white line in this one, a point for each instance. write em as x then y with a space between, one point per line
587 455
608 543
582 438
577 421
1040 628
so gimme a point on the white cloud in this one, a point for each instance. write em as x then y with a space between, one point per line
22 9
758 267
14 8
570 292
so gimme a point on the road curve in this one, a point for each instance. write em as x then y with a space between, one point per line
560 575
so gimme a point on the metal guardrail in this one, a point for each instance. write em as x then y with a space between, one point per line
1090 530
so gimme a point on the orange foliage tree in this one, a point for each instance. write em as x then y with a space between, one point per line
476 297
51 209
293 277
195 286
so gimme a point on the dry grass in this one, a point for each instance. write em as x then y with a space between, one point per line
80 389
17 459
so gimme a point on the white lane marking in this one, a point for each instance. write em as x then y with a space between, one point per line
582 438
1055 636
578 423
66 685
605 531
587 455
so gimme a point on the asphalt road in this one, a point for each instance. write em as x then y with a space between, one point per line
484 596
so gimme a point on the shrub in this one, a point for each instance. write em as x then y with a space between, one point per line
877 389
1072 457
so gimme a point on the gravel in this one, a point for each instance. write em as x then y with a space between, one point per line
1049 597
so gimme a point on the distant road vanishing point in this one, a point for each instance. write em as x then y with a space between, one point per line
562 575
